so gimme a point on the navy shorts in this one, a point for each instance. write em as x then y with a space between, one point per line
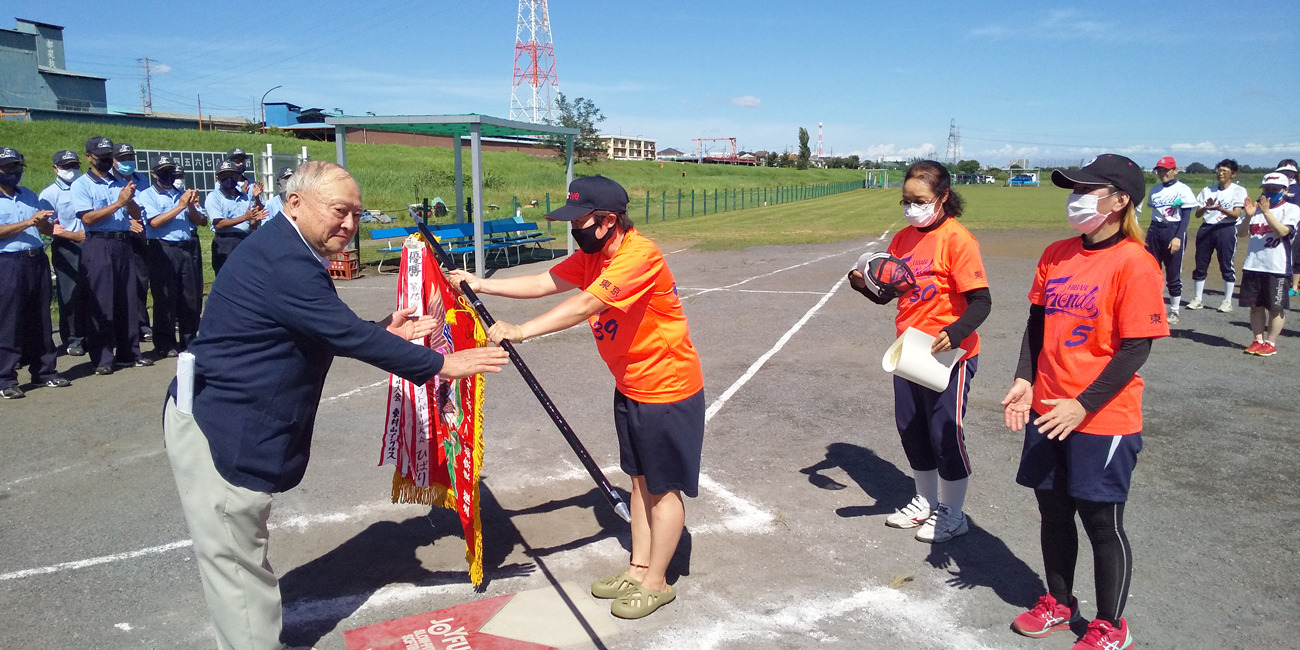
1089 467
662 442
930 423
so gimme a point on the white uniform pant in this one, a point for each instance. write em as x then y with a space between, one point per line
228 526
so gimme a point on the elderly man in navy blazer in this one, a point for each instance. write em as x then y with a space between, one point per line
272 326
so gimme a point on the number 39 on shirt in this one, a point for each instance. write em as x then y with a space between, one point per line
605 327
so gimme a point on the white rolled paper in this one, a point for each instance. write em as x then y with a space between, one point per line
185 383
910 358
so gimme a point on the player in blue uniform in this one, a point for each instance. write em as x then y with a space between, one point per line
171 217
25 331
103 198
65 252
233 213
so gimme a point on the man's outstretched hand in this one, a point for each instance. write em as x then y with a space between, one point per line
467 363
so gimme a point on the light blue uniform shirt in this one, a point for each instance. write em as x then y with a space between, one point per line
17 209
153 203
90 192
220 206
274 207
58 197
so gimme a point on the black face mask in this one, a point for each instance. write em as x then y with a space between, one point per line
102 165
587 239
165 179
228 183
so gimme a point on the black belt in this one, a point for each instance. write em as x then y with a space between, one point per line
28 252
169 242
116 234
237 233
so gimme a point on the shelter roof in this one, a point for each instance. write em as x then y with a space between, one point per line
450 125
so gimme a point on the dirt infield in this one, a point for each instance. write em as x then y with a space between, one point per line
786 546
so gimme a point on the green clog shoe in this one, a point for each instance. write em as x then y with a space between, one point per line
614 586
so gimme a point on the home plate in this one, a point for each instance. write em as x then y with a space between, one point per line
529 620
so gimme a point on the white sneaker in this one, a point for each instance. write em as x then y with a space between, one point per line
912 515
1226 307
1195 304
1172 319
943 526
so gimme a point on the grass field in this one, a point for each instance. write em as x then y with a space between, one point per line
392 176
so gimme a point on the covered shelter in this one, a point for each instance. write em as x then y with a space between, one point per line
457 127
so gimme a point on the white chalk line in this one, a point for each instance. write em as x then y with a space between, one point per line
908 619
98 466
297 522
789 292
758 364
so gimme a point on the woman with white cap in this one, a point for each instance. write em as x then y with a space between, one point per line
1271 222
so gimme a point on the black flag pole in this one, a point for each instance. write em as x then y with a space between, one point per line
615 500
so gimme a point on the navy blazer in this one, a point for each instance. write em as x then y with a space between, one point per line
270 330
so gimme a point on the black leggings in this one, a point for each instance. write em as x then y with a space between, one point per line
1111 558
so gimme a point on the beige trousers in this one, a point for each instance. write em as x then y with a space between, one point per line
228 525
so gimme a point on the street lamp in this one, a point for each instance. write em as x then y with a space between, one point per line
263 105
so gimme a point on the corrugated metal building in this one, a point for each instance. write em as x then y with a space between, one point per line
33 74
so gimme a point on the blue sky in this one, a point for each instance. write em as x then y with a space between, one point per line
1048 81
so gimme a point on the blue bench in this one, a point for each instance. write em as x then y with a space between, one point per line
388 247
517 234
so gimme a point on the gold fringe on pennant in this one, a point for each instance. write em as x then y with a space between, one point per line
406 491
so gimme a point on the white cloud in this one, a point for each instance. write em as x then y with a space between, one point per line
161 68
1200 147
893 152
748 101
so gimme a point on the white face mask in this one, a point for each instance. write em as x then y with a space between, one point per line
179 183
1081 210
921 214
67 175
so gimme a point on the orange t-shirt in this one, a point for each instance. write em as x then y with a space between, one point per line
643 336
947 264
1093 300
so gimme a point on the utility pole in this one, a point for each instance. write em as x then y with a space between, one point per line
954 142
146 90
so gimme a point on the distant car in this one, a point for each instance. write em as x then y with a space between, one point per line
985 178
1023 180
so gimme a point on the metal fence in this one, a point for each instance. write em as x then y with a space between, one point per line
685 204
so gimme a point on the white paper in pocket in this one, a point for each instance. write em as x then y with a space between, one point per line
910 358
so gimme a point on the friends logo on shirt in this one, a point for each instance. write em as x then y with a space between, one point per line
1077 299
919 268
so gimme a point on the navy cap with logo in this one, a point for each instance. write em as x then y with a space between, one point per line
123 149
1106 169
227 166
99 146
9 156
285 172
64 157
161 161
236 153
591 193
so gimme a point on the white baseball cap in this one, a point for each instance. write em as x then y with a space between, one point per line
1286 168
1276 178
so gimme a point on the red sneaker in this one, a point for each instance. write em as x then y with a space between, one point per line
1266 349
1253 348
1104 636
1047 617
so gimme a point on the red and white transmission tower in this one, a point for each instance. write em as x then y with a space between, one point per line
818 156
534 65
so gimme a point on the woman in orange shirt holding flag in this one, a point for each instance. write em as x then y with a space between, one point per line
629 298
948 301
1095 307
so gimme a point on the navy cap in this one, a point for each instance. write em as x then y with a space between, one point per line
1106 169
591 193
161 161
64 157
123 149
227 166
236 153
8 155
285 172
99 146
